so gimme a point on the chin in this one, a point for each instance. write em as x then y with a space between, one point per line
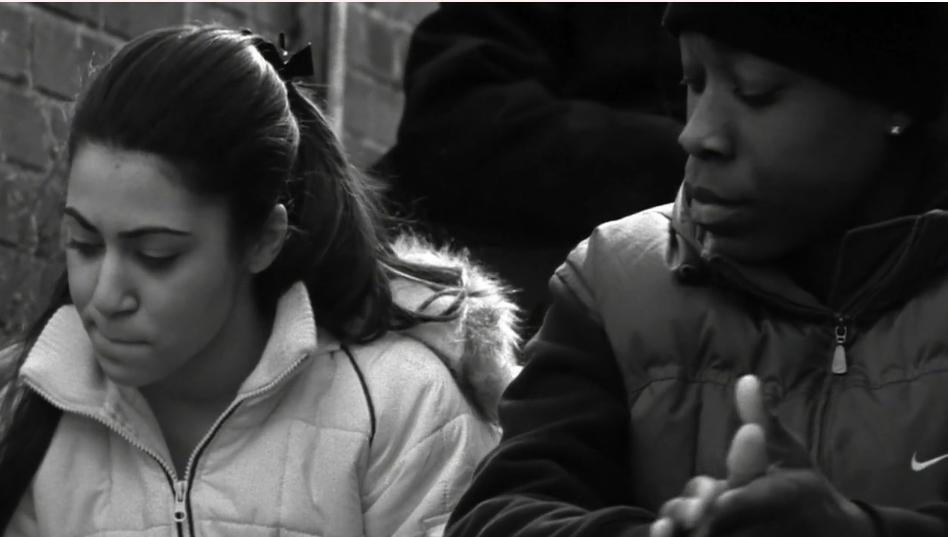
124 371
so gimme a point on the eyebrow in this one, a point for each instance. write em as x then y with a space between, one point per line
130 234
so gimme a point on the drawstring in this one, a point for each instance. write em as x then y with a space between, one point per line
365 390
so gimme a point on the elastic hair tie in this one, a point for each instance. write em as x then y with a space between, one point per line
289 67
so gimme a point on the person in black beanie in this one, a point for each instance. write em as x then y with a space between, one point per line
766 356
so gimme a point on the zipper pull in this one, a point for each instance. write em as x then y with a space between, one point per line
839 355
180 493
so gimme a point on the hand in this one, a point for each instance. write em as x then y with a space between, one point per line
746 460
686 512
789 499
788 503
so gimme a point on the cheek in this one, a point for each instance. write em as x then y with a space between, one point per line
187 309
815 164
81 274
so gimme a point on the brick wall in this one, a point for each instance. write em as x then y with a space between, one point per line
47 48
377 35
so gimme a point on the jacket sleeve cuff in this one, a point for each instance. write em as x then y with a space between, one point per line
895 522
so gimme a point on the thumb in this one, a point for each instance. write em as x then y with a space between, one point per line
783 447
747 459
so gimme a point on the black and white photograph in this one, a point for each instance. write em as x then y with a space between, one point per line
474 269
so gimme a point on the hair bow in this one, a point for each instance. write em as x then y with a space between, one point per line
289 67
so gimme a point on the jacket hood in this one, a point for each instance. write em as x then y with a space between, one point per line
479 347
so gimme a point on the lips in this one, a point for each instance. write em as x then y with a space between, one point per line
707 196
720 214
117 339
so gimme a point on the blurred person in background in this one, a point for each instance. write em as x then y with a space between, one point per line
527 124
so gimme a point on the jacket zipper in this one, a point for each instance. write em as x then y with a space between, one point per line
839 365
188 481
842 332
176 486
182 488
180 512
838 368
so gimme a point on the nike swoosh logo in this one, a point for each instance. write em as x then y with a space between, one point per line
919 466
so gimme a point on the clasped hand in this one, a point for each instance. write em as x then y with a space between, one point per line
761 497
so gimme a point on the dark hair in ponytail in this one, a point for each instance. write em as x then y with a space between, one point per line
340 245
204 98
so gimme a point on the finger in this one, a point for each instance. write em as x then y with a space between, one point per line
662 527
708 495
688 510
691 513
784 447
671 508
750 401
747 458
700 487
705 491
684 512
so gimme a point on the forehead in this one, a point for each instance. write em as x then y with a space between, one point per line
119 189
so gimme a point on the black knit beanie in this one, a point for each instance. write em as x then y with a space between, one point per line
893 53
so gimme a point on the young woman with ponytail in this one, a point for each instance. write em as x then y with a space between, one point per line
236 346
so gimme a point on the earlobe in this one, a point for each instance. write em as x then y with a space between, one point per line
271 239
897 123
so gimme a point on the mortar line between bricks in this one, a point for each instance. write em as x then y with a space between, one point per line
62 14
21 81
379 16
6 243
31 45
109 37
50 94
369 76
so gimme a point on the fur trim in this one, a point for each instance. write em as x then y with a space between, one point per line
480 346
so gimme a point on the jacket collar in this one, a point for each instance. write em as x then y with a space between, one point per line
61 365
875 266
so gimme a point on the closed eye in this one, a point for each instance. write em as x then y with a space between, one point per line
157 263
757 100
85 249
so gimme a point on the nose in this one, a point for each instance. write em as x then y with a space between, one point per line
113 296
706 134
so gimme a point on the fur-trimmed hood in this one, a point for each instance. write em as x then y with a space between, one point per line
480 346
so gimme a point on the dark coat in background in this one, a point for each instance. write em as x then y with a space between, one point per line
526 125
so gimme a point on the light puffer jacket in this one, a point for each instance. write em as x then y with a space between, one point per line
295 453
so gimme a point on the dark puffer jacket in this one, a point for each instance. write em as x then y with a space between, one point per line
628 392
